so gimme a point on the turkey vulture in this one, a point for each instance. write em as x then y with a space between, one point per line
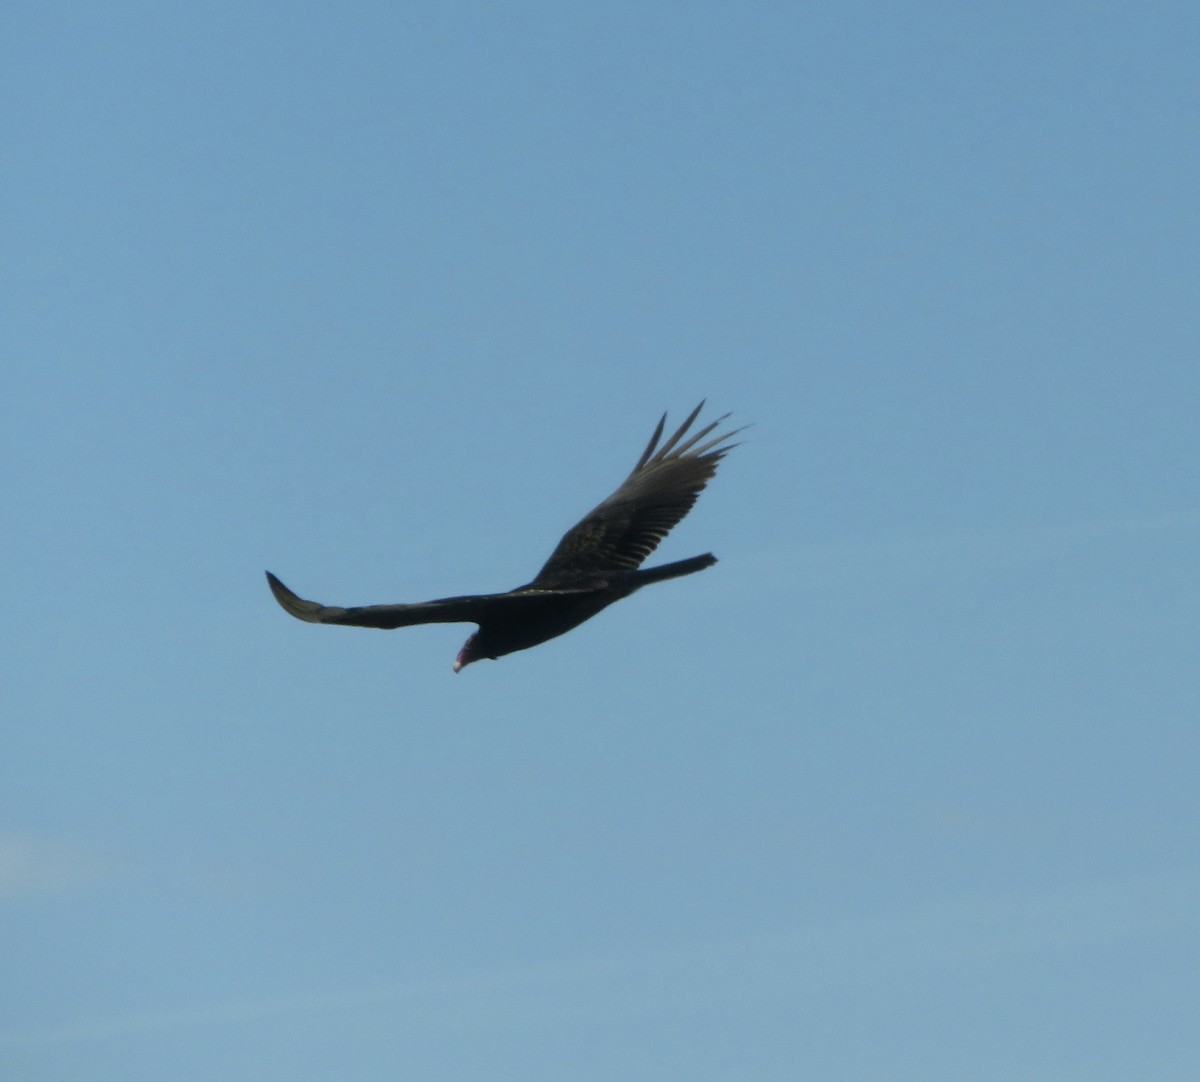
597 562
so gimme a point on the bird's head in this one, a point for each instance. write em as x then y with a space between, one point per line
470 652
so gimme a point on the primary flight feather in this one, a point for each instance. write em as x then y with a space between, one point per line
597 562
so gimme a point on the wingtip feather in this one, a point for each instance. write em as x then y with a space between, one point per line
308 611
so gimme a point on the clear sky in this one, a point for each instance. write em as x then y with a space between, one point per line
382 297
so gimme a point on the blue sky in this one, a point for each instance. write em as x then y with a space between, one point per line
383 297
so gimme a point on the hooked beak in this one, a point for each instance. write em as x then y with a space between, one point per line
466 655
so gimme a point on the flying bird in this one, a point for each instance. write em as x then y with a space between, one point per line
598 561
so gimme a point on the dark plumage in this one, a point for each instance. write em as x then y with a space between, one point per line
597 562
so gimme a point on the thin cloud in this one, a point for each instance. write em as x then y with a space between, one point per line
31 864
943 936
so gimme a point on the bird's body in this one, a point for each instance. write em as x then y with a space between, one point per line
597 562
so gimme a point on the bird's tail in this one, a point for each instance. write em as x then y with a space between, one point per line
689 566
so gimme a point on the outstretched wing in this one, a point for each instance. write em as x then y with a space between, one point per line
627 527
446 610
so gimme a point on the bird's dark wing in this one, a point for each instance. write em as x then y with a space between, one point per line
627 527
446 610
